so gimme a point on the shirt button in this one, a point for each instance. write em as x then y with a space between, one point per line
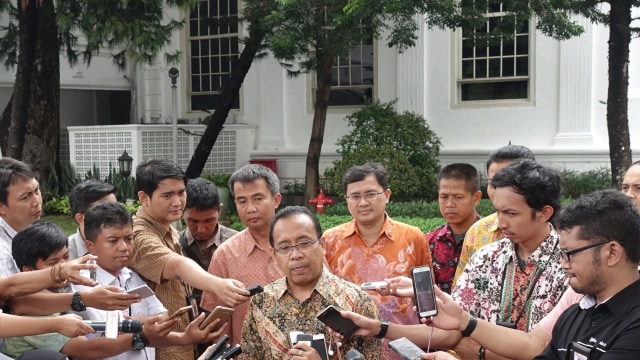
593 324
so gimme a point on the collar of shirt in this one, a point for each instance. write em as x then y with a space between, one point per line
214 240
7 229
164 229
542 254
322 287
618 304
387 228
105 278
247 244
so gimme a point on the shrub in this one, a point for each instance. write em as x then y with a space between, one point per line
575 184
57 206
403 143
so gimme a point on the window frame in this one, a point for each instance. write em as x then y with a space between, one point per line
312 86
187 79
458 81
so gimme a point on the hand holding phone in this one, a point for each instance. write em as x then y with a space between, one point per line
255 289
424 295
331 317
179 312
220 312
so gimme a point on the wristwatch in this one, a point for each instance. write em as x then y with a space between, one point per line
76 302
138 342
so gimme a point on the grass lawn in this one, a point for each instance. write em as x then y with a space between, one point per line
64 221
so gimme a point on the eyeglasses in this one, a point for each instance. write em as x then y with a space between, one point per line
303 246
566 255
355 198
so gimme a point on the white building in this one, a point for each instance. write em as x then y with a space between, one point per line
557 108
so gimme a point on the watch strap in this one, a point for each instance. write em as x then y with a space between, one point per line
473 322
76 302
384 326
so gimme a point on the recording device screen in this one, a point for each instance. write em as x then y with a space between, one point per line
423 291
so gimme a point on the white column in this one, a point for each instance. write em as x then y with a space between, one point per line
410 74
272 84
575 102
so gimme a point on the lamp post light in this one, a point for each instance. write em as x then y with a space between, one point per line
124 163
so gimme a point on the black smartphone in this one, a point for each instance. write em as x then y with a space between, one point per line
331 317
255 289
406 349
423 293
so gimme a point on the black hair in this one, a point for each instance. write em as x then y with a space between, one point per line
11 171
88 192
290 211
461 171
37 241
104 214
360 172
605 215
202 194
539 184
510 153
151 172
252 172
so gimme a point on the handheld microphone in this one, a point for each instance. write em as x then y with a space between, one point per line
125 326
353 354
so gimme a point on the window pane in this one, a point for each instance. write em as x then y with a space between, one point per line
522 45
507 67
467 49
467 69
195 49
495 90
522 66
494 68
481 68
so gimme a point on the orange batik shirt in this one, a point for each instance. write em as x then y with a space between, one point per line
398 248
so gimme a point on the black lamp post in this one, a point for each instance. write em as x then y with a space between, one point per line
124 162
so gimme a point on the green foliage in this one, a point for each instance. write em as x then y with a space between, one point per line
66 222
220 180
403 143
575 184
138 29
126 185
59 184
294 187
58 205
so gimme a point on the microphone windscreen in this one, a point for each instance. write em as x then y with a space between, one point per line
131 326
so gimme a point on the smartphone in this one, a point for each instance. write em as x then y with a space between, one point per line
183 310
144 291
406 349
374 285
89 273
220 312
423 293
331 317
316 341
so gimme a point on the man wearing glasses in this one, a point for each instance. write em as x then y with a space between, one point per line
372 246
292 303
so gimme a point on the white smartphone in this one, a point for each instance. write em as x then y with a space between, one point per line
374 285
144 291
406 349
424 295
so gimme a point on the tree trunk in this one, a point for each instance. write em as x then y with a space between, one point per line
5 121
617 99
323 92
27 23
229 94
43 117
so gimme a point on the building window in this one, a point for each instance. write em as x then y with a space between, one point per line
353 76
213 46
498 70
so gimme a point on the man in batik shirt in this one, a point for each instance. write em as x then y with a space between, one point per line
458 195
516 281
292 303
373 247
485 231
